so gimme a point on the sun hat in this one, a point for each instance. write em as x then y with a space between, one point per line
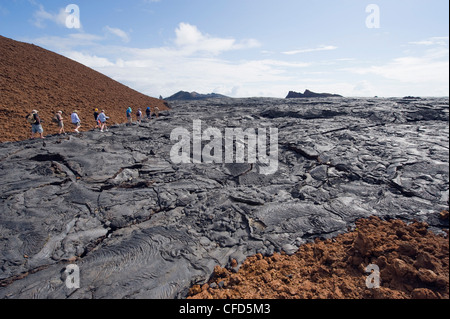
34 111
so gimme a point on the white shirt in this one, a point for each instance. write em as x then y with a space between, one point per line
75 118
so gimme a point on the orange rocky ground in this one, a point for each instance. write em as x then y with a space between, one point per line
413 264
35 78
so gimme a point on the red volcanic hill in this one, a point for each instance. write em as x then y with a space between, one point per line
34 78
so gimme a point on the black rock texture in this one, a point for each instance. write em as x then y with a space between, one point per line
139 226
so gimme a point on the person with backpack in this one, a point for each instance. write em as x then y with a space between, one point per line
102 118
76 121
129 118
36 126
148 111
139 116
60 121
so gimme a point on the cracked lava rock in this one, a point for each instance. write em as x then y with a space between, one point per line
138 225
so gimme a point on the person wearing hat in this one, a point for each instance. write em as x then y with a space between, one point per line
36 126
128 112
76 120
60 120
97 122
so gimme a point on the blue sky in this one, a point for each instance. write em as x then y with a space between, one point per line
245 48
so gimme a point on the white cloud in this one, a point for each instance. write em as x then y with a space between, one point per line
321 48
41 16
165 75
191 40
430 68
92 61
118 32
192 62
363 88
68 43
432 41
424 73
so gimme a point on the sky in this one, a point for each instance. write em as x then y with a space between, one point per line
247 48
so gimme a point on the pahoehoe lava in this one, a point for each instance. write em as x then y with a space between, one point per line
140 226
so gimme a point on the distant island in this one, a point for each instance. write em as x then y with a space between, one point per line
193 96
183 95
308 94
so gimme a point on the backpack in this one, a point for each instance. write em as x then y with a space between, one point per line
31 119
55 119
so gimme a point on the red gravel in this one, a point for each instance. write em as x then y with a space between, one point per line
413 263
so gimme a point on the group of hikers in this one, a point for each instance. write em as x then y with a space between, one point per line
99 117
139 114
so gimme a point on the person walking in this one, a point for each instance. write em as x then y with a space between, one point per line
36 125
148 111
60 121
139 116
97 122
102 118
76 121
129 118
